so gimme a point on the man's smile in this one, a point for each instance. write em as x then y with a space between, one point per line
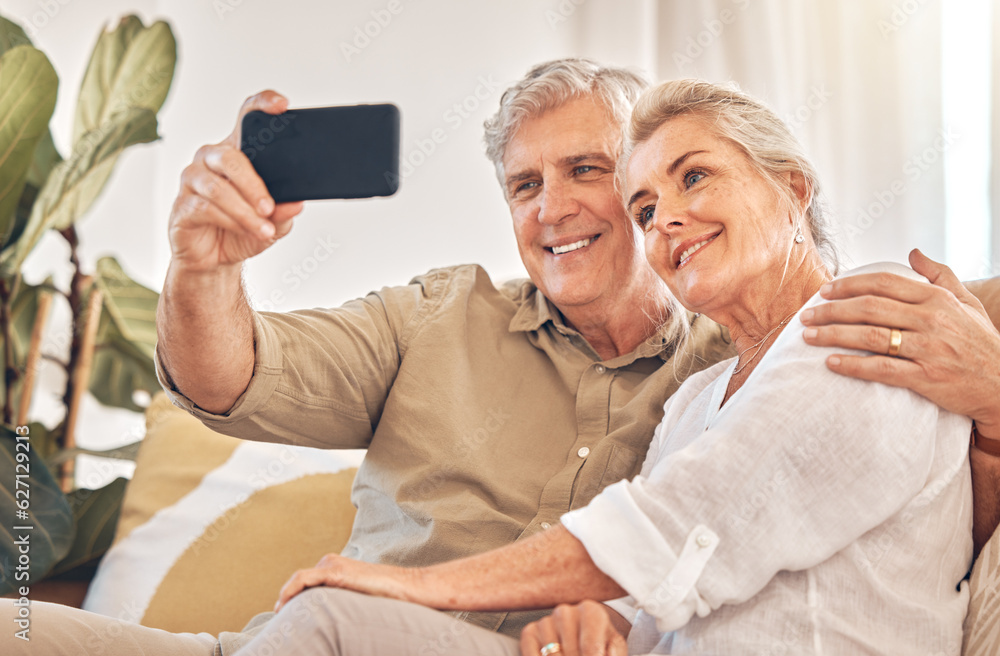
571 247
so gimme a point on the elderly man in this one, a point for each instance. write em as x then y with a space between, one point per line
487 411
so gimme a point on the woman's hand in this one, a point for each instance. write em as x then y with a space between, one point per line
583 629
335 571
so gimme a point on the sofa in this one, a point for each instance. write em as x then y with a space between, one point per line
212 526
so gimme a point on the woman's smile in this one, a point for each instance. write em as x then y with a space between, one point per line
682 257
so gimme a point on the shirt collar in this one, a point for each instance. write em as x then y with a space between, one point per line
536 310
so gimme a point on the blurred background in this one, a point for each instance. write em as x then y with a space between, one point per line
897 101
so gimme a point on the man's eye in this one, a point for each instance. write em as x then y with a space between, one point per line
525 187
584 169
692 178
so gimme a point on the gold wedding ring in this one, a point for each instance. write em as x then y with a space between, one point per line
551 648
895 342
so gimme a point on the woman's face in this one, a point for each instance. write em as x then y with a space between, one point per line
715 230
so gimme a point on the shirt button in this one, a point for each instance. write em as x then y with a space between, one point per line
583 452
600 369
546 525
703 541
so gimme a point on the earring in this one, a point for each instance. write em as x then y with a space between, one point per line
798 237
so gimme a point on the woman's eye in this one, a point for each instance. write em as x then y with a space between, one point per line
644 217
692 178
584 169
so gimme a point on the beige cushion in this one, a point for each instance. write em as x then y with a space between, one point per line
212 526
982 624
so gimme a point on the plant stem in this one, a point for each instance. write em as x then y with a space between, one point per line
76 307
31 362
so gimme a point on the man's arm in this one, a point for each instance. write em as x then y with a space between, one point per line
950 352
205 336
542 571
222 216
985 495
986 466
988 293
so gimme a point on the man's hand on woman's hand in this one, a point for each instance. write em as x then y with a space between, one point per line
583 629
950 351
336 571
223 213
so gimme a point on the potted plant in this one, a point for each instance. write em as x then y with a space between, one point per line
113 317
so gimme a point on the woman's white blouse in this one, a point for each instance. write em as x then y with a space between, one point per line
812 514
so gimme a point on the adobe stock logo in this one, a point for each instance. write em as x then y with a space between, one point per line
454 117
47 10
913 169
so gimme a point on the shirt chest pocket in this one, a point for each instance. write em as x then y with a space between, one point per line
604 467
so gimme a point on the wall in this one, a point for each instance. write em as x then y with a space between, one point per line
864 100
444 64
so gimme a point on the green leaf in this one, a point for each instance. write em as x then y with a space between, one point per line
126 337
74 184
48 513
46 155
28 86
131 66
45 441
11 35
96 515
46 158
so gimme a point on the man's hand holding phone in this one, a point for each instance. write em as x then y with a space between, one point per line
223 213
226 213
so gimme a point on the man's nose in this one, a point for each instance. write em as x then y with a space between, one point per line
556 203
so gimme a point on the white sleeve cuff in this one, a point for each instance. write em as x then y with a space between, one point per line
625 544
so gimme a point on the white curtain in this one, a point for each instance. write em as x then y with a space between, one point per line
861 83
995 144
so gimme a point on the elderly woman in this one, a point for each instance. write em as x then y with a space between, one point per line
781 508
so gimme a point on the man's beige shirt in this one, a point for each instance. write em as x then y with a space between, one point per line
485 416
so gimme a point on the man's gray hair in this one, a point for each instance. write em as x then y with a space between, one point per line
550 85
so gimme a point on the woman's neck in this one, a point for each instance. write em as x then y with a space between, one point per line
756 323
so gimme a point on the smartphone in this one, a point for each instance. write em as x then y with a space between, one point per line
325 152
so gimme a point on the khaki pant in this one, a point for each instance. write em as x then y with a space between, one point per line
318 622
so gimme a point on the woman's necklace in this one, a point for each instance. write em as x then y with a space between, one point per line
759 345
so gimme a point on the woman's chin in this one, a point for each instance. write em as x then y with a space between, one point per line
699 298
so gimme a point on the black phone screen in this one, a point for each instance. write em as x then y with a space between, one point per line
325 152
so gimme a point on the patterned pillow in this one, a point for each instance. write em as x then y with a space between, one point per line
982 624
212 526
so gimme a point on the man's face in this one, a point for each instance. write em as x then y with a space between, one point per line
575 239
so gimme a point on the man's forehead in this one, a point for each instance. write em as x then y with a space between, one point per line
574 131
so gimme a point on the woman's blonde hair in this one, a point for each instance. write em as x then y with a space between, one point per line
764 139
